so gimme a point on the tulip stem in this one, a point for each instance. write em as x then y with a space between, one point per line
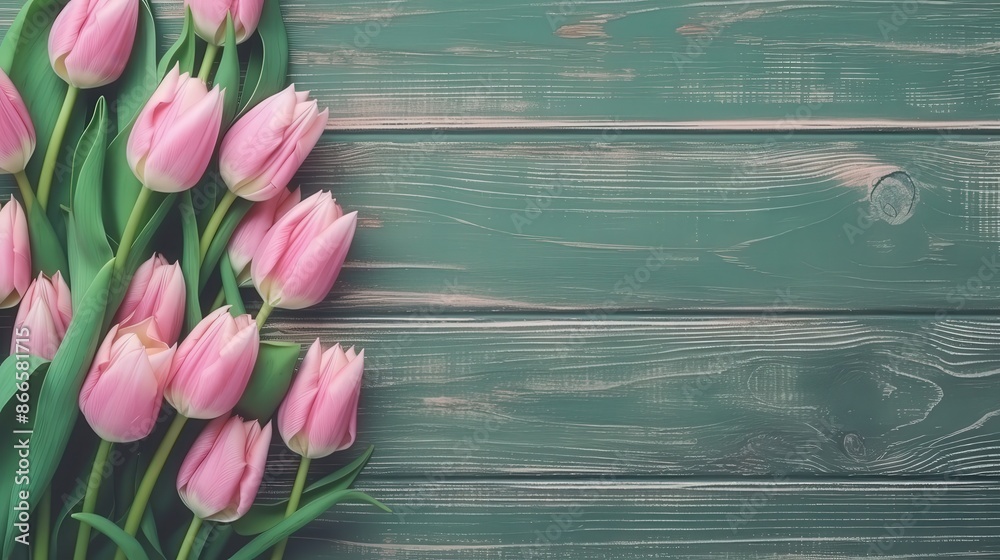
24 185
44 514
90 498
132 229
216 221
263 314
293 502
189 538
206 64
149 479
55 144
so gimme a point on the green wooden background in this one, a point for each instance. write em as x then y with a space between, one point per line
662 279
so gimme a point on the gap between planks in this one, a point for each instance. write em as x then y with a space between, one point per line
790 124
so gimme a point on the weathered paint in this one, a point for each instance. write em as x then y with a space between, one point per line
807 367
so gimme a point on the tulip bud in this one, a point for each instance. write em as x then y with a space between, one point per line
91 40
15 254
301 256
210 18
156 292
320 414
175 134
122 394
221 474
254 226
17 133
45 312
213 365
264 149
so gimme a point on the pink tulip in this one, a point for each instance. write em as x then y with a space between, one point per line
45 312
91 40
264 149
254 227
212 366
301 256
122 394
320 413
222 472
17 133
210 18
15 254
175 133
157 292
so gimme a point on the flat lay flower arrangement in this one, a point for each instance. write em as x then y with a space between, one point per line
155 193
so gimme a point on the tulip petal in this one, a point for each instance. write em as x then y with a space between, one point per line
294 410
318 267
179 159
258 445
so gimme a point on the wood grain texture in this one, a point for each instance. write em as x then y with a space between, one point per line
611 519
758 395
624 222
523 63
504 62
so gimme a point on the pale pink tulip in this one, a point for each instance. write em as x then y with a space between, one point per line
264 149
212 366
301 256
157 292
320 413
44 315
210 18
175 133
221 474
254 226
15 254
17 133
122 394
91 40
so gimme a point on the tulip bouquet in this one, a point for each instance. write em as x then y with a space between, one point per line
154 193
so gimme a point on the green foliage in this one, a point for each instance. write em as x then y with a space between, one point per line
128 544
271 377
88 243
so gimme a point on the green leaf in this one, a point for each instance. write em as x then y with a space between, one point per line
301 518
121 185
228 75
89 248
231 287
221 240
127 543
149 530
140 77
9 373
183 50
262 517
190 261
216 544
47 254
267 70
269 382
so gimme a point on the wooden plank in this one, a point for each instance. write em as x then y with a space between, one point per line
494 396
617 519
666 222
538 63
499 63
